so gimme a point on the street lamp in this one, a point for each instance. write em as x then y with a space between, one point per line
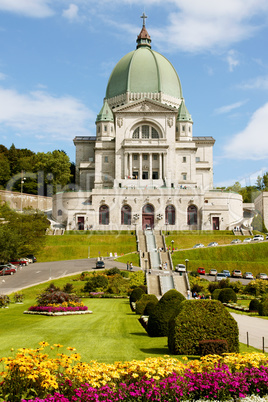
186 263
21 188
172 244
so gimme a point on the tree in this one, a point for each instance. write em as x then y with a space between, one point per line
4 169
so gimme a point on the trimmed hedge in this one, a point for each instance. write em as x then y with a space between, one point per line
227 295
149 307
199 320
254 305
142 303
215 294
163 311
136 294
263 308
213 347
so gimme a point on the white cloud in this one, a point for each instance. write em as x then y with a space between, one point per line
256 83
230 108
29 8
232 59
71 13
252 142
2 76
195 26
41 114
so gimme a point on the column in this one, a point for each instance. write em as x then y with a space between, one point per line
130 164
126 165
150 166
160 166
140 172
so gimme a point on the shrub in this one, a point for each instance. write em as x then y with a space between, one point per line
216 293
4 301
52 288
196 288
224 283
56 297
227 295
263 308
199 320
213 347
124 274
96 283
18 297
236 286
254 305
118 285
68 288
163 311
142 303
113 271
149 307
212 286
194 273
136 294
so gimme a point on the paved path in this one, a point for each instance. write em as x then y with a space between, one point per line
257 328
40 272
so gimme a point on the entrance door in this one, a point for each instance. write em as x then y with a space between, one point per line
216 223
81 222
147 217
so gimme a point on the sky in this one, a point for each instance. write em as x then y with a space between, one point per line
56 57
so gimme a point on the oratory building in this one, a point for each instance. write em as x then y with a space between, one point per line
145 167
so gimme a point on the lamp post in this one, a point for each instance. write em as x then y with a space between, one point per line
172 244
21 188
186 263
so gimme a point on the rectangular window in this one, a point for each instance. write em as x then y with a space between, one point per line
155 157
184 159
145 157
105 128
184 176
197 159
106 159
135 175
135 157
145 131
155 175
145 175
183 128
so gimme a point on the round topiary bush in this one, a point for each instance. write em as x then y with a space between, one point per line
263 308
136 294
142 303
96 283
113 271
215 294
199 320
254 305
149 307
163 311
227 295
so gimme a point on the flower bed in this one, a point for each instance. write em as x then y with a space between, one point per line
55 310
64 378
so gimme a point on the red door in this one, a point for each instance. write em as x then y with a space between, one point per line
147 216
80 222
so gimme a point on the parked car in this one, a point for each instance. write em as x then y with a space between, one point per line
199 245
213 244
248 275
24 261
180 268
201 271
220 277
100 264
226 272
236 273
236 241
247 240
213 272
31 257
7 271
16 262
262 276
258 238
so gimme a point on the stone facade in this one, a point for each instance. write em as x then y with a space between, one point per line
261 205
19 201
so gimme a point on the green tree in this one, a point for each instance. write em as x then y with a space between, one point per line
4 169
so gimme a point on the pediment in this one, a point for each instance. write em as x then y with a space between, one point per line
145 106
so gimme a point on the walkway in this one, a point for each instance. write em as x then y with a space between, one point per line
257 328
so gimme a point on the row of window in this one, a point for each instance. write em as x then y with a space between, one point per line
155 158
126 214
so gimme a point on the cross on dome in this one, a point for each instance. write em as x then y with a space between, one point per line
144 19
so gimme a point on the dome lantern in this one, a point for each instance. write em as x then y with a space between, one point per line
143 38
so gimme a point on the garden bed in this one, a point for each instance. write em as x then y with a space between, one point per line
57 313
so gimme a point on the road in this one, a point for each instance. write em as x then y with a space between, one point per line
256 328
40 272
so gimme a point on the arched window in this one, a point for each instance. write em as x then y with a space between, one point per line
148 209
59 212
104 215
192 215
145 132
126 215
170 215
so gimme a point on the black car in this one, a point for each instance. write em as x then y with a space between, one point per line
100 264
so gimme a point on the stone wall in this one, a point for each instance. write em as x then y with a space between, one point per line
19 201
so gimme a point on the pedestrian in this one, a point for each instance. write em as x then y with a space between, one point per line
127 266
131 266
188 294
160 266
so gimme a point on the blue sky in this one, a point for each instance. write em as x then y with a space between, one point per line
56 57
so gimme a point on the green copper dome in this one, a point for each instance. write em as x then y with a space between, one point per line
144 71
